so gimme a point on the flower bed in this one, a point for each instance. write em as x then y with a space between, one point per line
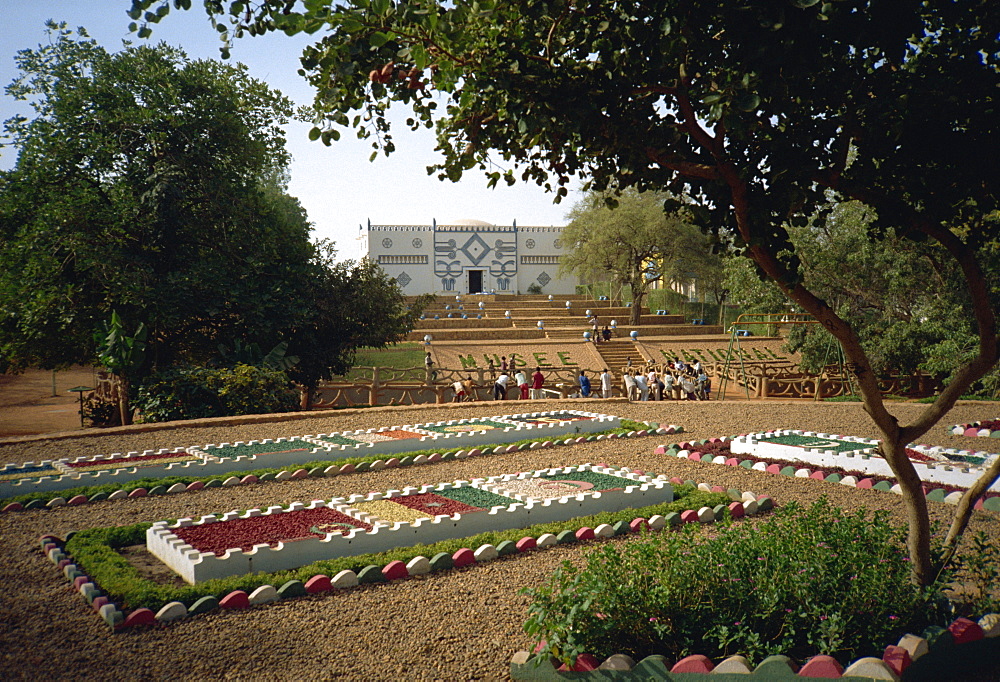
852 470
90 561
395 519
827 451
201 462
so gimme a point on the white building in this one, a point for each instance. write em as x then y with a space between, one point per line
468 257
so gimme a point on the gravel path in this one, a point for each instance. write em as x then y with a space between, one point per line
458 625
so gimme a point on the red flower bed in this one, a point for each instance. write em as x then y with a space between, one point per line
432 504
125 460
991 424
269 528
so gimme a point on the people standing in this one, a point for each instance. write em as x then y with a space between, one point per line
606 380
500 387
630 388
668 385
653 382
521 379
537 381
470 389
688 388
640 383
584 385
492 369
503 363
459 389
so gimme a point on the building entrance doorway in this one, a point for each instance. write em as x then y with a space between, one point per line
475 281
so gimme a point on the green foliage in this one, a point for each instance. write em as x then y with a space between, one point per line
760 112
150 186
94 550
806 581
633 243
354 305
196 393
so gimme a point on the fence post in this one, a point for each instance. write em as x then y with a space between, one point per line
373 390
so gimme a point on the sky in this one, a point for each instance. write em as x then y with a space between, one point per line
338 186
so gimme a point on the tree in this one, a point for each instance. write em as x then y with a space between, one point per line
150 185
355 304
632 240
755 110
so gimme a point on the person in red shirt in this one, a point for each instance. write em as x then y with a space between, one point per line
537 381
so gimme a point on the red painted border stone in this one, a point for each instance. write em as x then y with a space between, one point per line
818 475
463 557
524 544
822 666
865 484
138 492
14 506
196 485
585 533
965 630
584 663
696 663
318 583
237 599
689 516
638 524
139 617
77 500
773 469
736 510
394 570
897 658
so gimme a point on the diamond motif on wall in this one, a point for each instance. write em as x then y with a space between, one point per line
387 243
418 242
557 243
403 279
544 279
530 243
475 249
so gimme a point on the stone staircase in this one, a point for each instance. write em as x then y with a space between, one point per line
617 352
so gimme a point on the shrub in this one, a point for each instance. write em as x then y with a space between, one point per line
805 582
197 392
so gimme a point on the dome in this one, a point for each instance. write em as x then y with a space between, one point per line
469 222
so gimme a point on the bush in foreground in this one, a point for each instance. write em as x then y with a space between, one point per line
807 581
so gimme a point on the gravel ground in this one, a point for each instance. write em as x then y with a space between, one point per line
458 625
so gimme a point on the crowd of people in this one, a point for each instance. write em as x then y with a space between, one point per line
678 381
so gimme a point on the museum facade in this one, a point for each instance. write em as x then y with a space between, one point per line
469 257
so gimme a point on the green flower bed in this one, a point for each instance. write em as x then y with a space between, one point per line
816 580
167 481
95 552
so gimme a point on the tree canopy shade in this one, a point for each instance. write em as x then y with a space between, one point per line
141 186
634 243
151 187
754 109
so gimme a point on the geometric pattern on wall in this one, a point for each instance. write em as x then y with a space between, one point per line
404 279
543 278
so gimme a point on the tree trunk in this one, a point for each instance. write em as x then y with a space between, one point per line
918 535
638 300
124 409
